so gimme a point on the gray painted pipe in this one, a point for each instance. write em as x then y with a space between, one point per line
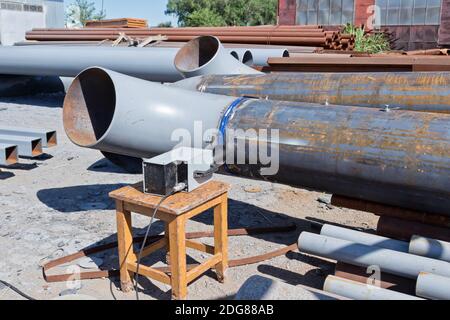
27 146
261 56
206 55
48 137
393 262
121 108
433 287
415 91
265 289
431 248
360 291
356 152
8 154
364 238
154 64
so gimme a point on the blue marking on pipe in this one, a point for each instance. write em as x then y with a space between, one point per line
227 115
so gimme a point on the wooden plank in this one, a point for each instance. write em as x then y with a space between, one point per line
125 245
201 269
177 238
149 273
154 247
221 236
200 247
178 204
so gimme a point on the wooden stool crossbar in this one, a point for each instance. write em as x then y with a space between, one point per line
174 212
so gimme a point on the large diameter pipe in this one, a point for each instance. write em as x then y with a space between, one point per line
417 91
394 262
364 238
433 286
398 158
112 112
431 248
359 291
154 64
206 55
404 230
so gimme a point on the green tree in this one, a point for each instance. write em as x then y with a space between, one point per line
81 11
194 13
167 24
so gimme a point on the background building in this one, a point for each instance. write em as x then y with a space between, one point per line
19 16
415 24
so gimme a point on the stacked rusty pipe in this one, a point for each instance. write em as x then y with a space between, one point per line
314 36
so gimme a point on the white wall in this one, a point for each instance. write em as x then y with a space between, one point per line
14 25
54 13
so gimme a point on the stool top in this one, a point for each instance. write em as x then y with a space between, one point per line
177 204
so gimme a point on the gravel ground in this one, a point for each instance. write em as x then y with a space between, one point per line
58 204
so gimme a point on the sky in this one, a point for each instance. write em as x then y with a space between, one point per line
152 10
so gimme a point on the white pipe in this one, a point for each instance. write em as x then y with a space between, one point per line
433 286
431 248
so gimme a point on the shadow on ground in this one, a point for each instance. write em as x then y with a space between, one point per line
79 198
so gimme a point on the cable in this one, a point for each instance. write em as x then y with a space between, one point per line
10 286
180 187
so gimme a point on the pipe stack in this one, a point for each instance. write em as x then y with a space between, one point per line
388 264
314 36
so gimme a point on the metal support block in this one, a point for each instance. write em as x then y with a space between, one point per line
8 154
28 146
48 137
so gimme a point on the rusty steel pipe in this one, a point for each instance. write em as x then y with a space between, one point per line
366 275
399 158
429 92
405 230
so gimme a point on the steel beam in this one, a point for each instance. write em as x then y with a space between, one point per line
433 286
48 137
394 262
27 146
360 291
8 154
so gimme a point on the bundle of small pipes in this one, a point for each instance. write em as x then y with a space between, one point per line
118 23
373 267
314 36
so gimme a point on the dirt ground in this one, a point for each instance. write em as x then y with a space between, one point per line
58 204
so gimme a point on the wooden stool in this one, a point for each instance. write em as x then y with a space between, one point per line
174 211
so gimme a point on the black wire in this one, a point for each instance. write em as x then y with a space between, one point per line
22 294
136 276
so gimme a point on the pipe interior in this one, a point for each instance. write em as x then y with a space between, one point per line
286 54
197 53
11 155
248 58
235 55
89 107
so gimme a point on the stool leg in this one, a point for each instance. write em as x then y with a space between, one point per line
125 240
177 244
166 236
221 237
